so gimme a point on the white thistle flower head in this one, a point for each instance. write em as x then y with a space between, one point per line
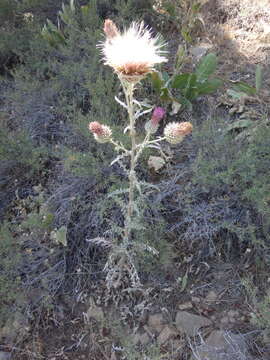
132 53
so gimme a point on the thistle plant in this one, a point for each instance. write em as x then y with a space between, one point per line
133 54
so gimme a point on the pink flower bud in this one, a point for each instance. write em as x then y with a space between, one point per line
157 115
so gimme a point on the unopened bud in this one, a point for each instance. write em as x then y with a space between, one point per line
102 133
152 125
110 29
175 132
157 115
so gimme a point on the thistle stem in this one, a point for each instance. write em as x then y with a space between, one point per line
129 89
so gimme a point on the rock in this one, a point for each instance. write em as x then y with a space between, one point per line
189 323
185 306
5 355
222 345
156 322
166 334
142 339
200 50
233 313
95 312
211 296
16 326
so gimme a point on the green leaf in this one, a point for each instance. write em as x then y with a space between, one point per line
209 86
240 124
184 101
186 35
235 94
206 67
157 81
165 95
180 81
196 7
258 78
243 87
190 91
165 77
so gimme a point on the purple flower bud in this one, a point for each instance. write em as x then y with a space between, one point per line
157 115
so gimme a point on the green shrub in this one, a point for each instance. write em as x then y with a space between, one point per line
9 280
229 167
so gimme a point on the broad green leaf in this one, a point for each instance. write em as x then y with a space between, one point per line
209 86
165 95
165 77
157 81
206 67
180 81
258 78
243 87
183 101
190 91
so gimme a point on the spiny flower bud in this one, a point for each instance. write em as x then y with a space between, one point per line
157 115
110 29
102 133
152 125
175 132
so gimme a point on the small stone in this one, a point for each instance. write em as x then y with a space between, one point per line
200 50
225 320
233 313
5 355
190 323
156 322
142 339
221 345
185 306
166 334
16 326
195 299
211 296
94 311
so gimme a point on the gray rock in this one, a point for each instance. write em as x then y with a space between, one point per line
166 334
189 323
94 311
142 339
16 326
5 355
156 322
222 345
185 306
200 50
